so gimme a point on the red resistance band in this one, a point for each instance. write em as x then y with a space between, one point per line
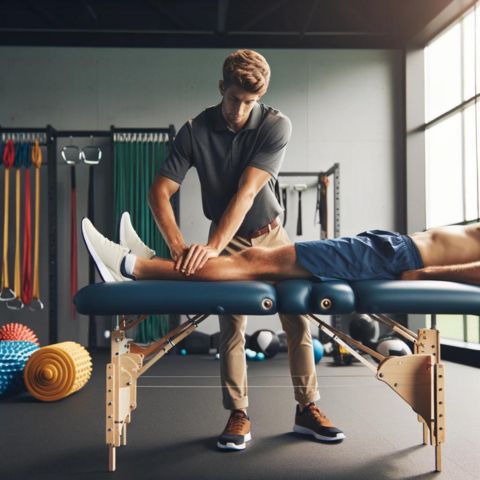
27 290
9 154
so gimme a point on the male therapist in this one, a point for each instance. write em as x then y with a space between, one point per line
238 147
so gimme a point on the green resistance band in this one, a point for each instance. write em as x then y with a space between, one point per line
135 166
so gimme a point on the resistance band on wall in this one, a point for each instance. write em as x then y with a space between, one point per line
27 230
71 155
299 187
20 153
137 159
36 303
8 159
322 205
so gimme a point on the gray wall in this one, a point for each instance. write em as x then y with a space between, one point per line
344 106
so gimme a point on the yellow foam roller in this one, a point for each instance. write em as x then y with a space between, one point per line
56 371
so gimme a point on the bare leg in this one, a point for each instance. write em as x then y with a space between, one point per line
256 263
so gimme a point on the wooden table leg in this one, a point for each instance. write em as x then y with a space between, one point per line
426 434
438 458
112 459
124 434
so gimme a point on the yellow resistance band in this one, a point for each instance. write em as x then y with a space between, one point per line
36 303
16 303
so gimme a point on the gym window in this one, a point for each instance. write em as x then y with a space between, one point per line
452 140
452 87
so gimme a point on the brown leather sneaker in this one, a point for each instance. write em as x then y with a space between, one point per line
312 421
236 433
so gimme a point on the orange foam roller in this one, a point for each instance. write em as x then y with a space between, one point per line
18 332
56 371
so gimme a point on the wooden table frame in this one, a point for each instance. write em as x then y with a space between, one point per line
418 379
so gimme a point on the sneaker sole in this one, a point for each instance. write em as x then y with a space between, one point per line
307 431
100 266
235 446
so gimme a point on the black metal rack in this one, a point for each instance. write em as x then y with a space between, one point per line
50 142
335 171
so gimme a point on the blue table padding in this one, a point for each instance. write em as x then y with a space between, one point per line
416 296
289 296
305 296
169 296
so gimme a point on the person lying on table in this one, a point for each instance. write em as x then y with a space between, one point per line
444 253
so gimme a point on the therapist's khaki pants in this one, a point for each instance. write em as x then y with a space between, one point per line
233 367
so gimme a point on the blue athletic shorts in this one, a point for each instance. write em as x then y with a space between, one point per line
370 255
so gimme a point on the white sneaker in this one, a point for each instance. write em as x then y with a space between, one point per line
129 238
106 254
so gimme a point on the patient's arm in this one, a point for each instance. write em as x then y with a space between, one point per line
464 273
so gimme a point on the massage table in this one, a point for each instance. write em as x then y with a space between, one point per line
418 378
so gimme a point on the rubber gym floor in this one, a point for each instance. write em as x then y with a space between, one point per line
173 431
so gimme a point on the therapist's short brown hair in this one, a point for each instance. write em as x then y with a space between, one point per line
247 69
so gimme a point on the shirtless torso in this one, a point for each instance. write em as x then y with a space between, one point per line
449 245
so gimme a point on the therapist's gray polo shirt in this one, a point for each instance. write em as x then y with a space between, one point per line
221 155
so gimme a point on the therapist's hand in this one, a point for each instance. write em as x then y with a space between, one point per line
178 254
196 258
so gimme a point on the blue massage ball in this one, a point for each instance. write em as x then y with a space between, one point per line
13 357
318 350
183 351
260 356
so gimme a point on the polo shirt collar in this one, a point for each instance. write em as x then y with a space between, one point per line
220 124
255 117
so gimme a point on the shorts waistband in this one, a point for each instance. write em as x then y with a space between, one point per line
415 253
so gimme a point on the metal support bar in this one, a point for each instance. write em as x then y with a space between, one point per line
353 352
161 348
126 323
158 344
336 198
349 340
82 133
52 235
397 327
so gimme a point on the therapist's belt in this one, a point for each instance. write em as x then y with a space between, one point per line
267 228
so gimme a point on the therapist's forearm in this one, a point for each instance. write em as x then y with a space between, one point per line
231 220
165 219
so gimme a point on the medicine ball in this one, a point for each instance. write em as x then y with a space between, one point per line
364 329
265 341
393 346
